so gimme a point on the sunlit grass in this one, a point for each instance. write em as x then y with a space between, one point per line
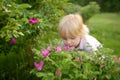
105 27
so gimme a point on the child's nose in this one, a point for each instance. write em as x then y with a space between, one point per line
68 42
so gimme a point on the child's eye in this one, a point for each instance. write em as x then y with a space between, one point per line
72 38
64 38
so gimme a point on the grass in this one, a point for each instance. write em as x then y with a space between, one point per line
105 27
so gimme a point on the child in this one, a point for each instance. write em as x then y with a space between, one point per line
75 34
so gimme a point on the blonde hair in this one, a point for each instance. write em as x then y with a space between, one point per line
71 26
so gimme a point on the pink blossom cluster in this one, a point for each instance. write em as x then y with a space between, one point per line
46 53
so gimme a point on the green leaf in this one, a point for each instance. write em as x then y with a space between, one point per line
25 6
21 33
40 74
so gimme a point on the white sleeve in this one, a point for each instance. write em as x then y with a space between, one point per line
91 44
63 45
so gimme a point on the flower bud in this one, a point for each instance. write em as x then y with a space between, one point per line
12 41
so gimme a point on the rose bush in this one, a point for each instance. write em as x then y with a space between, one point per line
66 64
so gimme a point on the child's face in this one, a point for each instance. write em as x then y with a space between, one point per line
74 42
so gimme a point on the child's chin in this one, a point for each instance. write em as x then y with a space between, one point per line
72 47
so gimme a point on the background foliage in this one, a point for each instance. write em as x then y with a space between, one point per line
106 5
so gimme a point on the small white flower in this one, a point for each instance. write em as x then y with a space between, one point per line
103 57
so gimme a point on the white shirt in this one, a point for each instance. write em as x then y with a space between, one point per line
89 44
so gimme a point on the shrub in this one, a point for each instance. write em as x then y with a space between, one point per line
86 11
90 10
66 64
20 22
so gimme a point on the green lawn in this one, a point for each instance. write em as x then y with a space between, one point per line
105 27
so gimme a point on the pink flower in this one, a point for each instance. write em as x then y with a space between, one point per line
102 64
45 53
58 73
58 48
12 41
39 66
48 48
119 63
67 47
116 58
33 20
79 59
